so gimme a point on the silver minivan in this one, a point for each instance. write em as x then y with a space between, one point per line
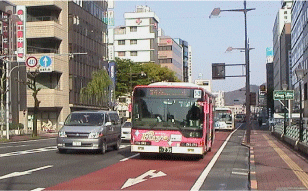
90 130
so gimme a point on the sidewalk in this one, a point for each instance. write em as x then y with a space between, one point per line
275 166
42 135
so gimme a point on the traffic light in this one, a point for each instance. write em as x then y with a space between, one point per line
218 71
263 88
253 98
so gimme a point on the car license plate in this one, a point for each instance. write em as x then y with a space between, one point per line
165 149
76 143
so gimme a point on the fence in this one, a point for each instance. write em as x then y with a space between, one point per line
292 133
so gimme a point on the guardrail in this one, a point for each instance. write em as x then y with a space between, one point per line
292 133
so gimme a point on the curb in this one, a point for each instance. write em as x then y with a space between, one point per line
253 185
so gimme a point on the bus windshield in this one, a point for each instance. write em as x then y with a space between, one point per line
223 115
167 113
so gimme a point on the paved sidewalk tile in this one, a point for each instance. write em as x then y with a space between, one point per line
276 166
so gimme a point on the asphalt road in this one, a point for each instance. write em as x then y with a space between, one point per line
36 165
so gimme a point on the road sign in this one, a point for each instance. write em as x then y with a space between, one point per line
45 61
31 61
283 94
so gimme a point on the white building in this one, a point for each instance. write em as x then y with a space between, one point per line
137 40
220 98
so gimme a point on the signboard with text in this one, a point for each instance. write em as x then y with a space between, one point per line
283 94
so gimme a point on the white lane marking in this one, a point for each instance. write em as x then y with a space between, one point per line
141 178
14 146
207 170
38 189
240 173
29 151
14 174
28 141
125 159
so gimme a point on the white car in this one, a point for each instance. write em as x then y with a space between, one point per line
126 129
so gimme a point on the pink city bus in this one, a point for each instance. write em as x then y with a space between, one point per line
172 117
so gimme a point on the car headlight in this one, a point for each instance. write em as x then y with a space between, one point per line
62 134
95 135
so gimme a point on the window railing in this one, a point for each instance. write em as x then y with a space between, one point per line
38 50
42 18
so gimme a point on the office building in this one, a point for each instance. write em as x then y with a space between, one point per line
138 39
170 55
69 41
281 34
299 39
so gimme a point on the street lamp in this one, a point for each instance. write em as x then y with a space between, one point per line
300 74
216 12
284 87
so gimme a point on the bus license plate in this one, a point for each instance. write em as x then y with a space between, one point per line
76 143
165 149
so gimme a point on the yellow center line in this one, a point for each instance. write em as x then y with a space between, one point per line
303 177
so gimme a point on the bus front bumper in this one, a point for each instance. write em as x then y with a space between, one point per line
175 150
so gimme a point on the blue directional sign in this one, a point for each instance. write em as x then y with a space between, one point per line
45 61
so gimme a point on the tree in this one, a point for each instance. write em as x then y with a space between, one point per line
3 91
97 88
129 74
31 83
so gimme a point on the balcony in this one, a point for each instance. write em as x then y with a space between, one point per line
48 98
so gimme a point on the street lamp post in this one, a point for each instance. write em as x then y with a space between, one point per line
216 12
300 74
284 87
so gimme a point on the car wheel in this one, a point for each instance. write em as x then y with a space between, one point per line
104 148
62 151
117 146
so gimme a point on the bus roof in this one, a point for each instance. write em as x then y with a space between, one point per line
179 84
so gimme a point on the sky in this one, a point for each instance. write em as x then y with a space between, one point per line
210 37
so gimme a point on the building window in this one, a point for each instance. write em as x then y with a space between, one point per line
163 48
133 29
133 53
167 60
133 41
122 53
121 42
305 91
286 12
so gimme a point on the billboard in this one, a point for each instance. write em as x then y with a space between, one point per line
21 33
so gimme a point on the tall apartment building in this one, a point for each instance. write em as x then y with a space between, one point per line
280 47
189 64
184 45
170 55
56 31
137 40
299 58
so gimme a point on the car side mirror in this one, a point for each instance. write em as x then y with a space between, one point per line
61 123
108 123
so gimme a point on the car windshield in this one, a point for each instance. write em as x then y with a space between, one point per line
126 124
84 119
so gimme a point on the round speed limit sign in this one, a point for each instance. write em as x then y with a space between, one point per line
31 61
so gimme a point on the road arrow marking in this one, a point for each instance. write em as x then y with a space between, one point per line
14 174
141 178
